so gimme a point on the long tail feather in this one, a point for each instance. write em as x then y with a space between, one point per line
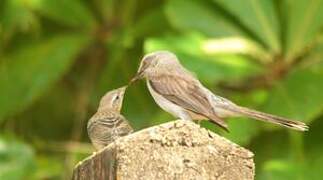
296 125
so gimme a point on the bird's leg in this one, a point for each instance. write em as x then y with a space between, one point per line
185 116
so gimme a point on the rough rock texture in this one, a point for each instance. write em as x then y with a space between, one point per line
174 150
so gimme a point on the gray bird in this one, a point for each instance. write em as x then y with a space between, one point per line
179 92
107 124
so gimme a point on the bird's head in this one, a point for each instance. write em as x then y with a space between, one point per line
153 60
113 99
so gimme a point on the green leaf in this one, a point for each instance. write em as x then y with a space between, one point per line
49 167
258 16
274 158
16 160
26 73
275 154
242 130
198 16
281 169
15 15
209 67
299 95
313 149
69 12
237 45
313 140
57 125
147 26
305 18
106 8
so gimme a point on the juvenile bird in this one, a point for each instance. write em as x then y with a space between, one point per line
107 124
179 92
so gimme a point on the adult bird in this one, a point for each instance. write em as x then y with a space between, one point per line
179 92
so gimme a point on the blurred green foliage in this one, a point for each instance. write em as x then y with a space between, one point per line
57 58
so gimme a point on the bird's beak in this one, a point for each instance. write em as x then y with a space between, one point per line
122 89
136 78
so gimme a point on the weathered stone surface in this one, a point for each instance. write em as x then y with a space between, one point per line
174 150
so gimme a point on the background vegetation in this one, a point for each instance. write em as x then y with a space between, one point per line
58 57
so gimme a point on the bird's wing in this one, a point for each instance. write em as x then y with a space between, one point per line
185 92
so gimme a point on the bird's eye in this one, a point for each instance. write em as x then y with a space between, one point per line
117 97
